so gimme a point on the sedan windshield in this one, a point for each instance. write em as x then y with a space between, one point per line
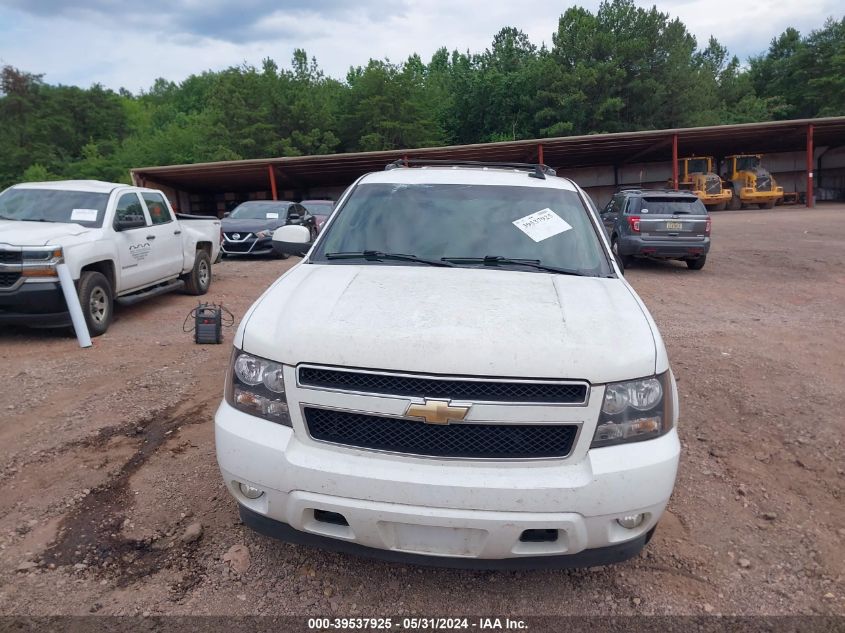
468 226
260 211
53 205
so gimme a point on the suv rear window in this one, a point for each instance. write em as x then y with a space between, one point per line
668 205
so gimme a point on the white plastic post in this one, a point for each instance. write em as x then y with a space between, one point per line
73 306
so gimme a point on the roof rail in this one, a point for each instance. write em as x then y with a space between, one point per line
655 189
537 170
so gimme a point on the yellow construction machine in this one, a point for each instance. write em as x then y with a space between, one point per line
695 173
750 182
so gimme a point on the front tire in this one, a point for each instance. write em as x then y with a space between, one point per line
768 205
721 206
697 263
198 280
97 300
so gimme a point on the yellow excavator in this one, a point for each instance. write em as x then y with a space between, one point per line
750 182
695 173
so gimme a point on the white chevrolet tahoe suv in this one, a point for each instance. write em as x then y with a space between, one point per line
119 242
456 373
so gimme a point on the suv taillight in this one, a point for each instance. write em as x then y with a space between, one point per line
634 223
707 227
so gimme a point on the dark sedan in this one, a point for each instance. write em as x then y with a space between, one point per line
248 229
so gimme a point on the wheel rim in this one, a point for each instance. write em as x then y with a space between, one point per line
204 273
99 305
615 247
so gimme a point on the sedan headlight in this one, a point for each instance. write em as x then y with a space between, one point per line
635 410
256 386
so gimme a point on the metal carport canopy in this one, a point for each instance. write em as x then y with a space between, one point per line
591 150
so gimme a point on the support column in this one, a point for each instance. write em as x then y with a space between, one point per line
674 161
272 182
540 154
810 166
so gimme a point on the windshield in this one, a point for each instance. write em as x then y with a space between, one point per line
54 205
260 210
670 206
320 207
697 166
435 221
746 163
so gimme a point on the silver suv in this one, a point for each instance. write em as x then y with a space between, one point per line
658 223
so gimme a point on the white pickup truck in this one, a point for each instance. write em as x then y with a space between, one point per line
119 242
456 373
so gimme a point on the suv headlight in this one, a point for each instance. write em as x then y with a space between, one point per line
635 410
256 386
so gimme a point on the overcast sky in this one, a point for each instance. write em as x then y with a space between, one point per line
130 44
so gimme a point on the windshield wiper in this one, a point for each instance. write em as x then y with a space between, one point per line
496 260
377 256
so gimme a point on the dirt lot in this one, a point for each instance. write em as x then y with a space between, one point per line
108 458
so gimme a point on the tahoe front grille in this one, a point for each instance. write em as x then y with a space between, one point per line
445 388
473 441
8 280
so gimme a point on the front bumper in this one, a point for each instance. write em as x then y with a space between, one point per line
750 195
714 198
664 248
37 304
465 512
261 246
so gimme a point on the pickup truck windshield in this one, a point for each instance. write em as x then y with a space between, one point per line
54 205
462 223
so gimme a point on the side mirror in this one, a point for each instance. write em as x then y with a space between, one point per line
292 239
129 223
227 214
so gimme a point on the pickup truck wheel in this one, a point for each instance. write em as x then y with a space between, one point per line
697 263
199 279
96 299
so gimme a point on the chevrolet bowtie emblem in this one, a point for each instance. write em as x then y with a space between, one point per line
436 412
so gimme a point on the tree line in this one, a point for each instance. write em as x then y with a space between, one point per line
621 68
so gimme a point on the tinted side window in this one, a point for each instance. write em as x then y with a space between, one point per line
129 209
159 213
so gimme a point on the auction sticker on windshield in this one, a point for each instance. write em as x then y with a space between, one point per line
542 225
83 215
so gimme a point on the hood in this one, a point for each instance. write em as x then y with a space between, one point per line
21 233
453 321
234 225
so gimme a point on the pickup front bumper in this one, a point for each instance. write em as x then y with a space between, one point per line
36 304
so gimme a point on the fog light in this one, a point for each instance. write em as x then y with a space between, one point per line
250 492
631 521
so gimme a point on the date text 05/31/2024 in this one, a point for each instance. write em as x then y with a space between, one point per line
412 623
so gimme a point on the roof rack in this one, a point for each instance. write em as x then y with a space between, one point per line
536 170
654 189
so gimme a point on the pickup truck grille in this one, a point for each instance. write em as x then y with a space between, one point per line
472 441
446 388
10 257
8 279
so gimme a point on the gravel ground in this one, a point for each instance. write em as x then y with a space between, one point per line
112 503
